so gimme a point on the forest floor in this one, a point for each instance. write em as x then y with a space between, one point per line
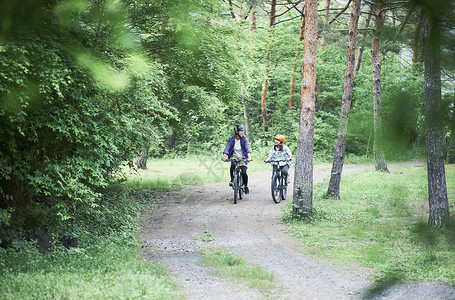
253 230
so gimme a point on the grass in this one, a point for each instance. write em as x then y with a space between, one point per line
110 269
236 269
206 237
106 265
381 223
171 173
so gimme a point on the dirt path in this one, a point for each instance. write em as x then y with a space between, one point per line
253 230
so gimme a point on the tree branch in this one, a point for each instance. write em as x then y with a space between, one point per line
342 11
346 30
295 17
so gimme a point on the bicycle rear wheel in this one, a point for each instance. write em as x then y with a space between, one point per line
276 188
235 187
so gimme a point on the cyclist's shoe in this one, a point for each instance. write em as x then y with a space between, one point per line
230 183
247 190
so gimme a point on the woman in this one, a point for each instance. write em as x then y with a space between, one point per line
281 153
238 147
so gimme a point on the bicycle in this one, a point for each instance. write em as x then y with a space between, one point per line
237 180
279 185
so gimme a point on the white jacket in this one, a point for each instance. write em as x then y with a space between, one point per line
275 154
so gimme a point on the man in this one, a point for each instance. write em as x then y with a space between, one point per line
238 148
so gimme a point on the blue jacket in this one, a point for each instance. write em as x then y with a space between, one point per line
229 149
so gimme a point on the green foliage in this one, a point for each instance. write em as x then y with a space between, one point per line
66 132
325 133
86 85
384 216
204 81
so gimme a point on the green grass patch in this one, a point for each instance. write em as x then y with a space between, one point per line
234 268
381 222
166 174
206 237
111 269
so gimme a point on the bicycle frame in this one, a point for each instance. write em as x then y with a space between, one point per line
237 181
279 184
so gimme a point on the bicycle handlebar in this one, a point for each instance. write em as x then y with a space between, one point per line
274 161
234 160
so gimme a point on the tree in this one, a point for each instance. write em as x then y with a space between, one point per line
418 29
379 160
439 215
451 146
292 82
361 47
303 178
326 19
252 19
265 85
245 85
340 146
141 160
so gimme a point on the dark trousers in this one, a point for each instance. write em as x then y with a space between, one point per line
243 172
284 170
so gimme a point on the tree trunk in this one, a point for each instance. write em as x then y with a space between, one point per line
417 30
246 110
340 147
252 20
434 135
451 150
171 139
294 68
303 178
231 10
246 116
240 17
141 160
265 85
379 160
361 48
292 89
318 81
326 20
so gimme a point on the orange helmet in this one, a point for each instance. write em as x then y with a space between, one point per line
280 137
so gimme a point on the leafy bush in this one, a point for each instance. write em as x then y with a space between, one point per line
69 121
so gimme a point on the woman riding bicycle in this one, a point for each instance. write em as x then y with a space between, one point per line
238 148
281 153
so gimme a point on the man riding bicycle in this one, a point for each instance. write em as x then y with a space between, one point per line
238 148
280 152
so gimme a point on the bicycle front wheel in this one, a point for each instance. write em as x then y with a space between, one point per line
235 186
284 188
276 188
240 187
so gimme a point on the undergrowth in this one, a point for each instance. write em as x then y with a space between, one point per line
105 265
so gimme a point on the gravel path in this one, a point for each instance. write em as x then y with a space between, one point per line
252 229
